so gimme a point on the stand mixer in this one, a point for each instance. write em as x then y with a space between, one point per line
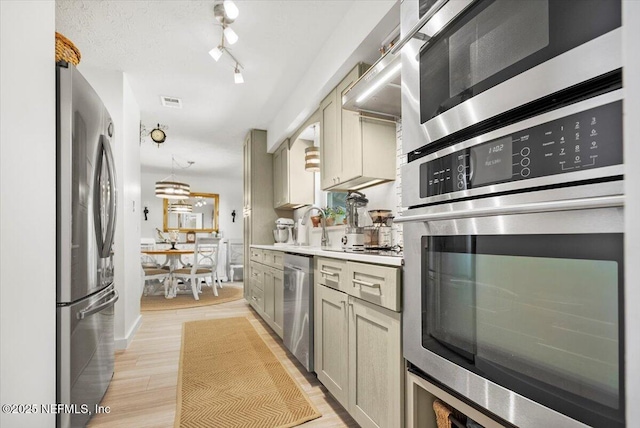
353 240
283 233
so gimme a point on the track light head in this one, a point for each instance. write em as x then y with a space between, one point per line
216 53
222 15
230 35
231 10
237 76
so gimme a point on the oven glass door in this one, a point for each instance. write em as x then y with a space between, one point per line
538 314
495 40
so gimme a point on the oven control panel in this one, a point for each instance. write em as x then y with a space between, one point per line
585 140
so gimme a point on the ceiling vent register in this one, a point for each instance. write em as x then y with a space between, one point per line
172 102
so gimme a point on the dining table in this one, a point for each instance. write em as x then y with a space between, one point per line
173 257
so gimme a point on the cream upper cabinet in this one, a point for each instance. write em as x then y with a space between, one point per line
280 182
292 185
356 151
330 152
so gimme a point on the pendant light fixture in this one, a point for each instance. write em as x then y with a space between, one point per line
312 155
173 189
180 207
312 159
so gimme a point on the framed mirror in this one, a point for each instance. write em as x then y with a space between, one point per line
203 218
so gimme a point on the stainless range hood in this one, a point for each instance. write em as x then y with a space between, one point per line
378 90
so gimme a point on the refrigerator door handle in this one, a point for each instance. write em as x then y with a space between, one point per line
95 309
97 218
104 155
111 227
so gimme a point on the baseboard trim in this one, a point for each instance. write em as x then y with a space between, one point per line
124 342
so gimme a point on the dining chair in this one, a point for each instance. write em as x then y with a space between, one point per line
152 270
205 264
236 257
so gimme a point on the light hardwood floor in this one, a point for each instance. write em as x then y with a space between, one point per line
143 390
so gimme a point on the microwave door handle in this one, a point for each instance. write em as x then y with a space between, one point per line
111 227
416 28
428 39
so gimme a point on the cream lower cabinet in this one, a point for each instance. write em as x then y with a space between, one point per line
273 290
266 285
375 365
358 353
332 342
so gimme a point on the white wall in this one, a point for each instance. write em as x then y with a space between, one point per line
28 236
631 35
229 188
114 90
355 38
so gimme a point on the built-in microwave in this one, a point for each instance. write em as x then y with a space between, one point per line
472 66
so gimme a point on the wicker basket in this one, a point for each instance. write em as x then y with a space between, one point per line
66 50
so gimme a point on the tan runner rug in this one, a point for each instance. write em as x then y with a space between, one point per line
228 293
229 377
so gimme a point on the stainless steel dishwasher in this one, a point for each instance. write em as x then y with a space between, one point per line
298 307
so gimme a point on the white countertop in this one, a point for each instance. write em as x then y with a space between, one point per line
338 254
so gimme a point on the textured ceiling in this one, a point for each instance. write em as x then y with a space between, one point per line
163 47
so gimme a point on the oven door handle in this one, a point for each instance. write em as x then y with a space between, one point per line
537 207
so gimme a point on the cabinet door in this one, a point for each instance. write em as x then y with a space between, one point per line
375 365
285 197
277 179
349 133
247 172
330 154
278 297
331 342
246 218
268 292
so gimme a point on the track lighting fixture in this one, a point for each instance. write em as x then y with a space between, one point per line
226 13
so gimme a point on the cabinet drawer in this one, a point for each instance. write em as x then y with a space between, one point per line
275 259
256 276
256 255
257 299
331 272
376 284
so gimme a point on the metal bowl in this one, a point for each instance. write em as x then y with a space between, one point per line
379 216
281 235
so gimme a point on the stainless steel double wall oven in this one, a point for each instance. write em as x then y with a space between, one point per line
514 262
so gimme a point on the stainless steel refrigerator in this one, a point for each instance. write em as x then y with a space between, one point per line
86 215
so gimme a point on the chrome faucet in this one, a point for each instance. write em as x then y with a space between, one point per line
324 241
